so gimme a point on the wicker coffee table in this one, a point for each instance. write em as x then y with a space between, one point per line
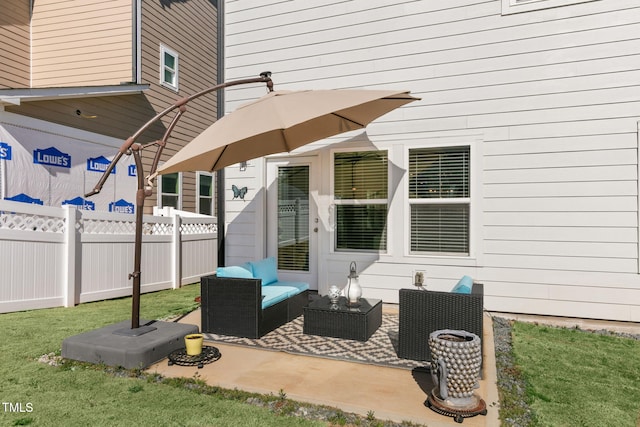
323 318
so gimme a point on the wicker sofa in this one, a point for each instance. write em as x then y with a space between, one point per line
250 306
423 312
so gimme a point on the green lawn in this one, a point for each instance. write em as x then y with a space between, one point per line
83 395
578 378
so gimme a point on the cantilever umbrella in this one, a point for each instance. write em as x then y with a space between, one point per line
282 121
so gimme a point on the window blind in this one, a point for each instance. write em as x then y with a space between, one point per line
440 228
437 177
361 192
439 173
360 175
293 218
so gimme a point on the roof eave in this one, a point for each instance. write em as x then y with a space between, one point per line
18 96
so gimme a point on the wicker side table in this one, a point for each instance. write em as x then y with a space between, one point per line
323 318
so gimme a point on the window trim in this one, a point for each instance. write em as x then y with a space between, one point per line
198 195
164 49
455 201
518 6
161 193
475 255
357 202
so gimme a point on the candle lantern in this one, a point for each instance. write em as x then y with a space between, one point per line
353 290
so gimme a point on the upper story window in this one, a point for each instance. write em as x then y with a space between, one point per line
516 6
168 67
439 200
361 200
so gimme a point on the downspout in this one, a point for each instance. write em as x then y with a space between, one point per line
220 99
136 43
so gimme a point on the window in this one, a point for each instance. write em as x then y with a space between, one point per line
360 198
169 190
205 193
439 199
168 67
516 6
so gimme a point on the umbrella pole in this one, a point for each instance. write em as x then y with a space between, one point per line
137 262
130 146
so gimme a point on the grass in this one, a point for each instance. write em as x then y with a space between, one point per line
76 394
571 377
578 378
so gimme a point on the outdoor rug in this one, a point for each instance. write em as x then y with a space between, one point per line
380 349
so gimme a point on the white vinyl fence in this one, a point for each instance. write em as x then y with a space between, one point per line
51 257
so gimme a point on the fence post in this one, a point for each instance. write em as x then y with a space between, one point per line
70 267
176 252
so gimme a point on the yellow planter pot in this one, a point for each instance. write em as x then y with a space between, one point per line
193 343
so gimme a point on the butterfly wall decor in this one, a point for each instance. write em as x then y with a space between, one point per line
239 192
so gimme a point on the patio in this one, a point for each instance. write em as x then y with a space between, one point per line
392 394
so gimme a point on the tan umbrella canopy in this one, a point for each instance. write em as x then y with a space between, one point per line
282 121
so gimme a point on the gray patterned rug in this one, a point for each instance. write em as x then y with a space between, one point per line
380 349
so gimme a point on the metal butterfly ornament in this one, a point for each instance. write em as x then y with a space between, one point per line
238 192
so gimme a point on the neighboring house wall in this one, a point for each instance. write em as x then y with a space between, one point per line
547 99
188 28
80 43
14 49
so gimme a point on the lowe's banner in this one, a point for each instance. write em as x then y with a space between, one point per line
37 166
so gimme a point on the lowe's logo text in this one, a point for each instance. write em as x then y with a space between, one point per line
99 164
5 151
52 157
121 206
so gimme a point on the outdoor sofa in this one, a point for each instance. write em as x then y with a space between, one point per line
249 300
423 312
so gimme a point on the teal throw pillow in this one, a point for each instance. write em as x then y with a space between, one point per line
463 286
234 271
266 270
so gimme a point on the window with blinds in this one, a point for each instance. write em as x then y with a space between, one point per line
361 200
293 218
439 199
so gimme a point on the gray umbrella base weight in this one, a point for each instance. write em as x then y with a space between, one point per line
109 346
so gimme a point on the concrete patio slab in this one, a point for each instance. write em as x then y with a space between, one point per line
391 393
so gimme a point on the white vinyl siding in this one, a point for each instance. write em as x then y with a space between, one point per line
552 94
516 6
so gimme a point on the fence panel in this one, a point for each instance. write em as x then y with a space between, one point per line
45 263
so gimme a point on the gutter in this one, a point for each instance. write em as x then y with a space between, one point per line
18 96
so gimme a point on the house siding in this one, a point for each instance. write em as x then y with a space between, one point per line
550 98
193 35
15 46
189 28
82 43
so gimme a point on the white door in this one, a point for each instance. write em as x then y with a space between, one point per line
292 219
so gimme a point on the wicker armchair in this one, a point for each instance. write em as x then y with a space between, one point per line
423 312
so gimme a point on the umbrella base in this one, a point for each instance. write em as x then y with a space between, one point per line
118 345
